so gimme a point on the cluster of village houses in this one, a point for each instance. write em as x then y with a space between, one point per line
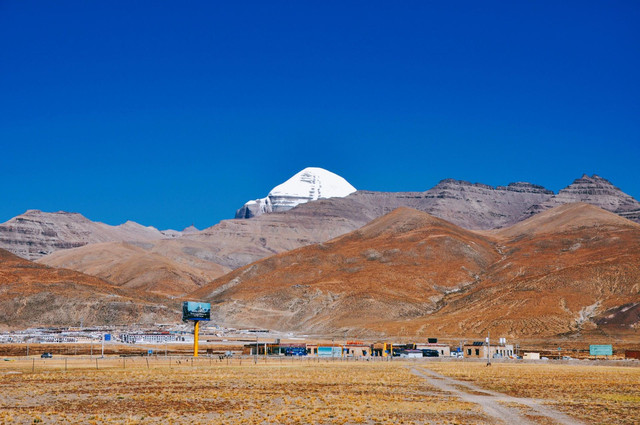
382 349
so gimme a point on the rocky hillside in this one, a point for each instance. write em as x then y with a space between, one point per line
165 267
411 274
593 190
32 294
35 234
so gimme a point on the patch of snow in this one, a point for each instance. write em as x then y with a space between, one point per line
310 184
313 183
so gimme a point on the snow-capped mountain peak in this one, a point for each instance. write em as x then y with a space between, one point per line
310 184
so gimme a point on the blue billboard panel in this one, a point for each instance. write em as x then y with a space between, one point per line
107 337
196 311
601 350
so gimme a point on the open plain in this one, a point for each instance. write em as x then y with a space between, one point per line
177 390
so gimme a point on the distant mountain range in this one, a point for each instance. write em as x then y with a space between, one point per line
571 270
178 262
479 206
148 265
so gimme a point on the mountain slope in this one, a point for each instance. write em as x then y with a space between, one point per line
561 272
35 234
411 274
32 294
241 242
391 269
165 267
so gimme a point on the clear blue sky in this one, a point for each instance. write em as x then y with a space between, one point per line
172 113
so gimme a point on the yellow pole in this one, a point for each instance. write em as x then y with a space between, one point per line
196 329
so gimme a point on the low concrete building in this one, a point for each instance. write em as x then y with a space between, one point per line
478 349
153 338
442 349
531 356
356 350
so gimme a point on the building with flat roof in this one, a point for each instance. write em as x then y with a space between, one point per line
442 349
478 349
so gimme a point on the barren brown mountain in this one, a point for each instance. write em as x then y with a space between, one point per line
35 233
32 294
174 262
562 272
166 267
468 205
397 267
176 266
570 270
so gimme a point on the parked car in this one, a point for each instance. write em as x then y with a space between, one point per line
430 353
46 356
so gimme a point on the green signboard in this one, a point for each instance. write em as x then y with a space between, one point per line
600 350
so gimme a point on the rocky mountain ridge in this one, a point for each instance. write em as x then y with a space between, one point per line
177 265
35 233
593 190
481 206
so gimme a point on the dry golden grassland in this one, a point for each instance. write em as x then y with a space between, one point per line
593 394
277 391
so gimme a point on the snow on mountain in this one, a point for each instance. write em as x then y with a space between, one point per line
310 184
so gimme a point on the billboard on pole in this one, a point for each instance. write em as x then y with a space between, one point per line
196 311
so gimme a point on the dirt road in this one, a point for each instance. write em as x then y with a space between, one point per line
504 408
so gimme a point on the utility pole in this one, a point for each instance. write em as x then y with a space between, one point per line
255 359
488 350
102 355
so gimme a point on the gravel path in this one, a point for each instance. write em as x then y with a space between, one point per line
496 404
